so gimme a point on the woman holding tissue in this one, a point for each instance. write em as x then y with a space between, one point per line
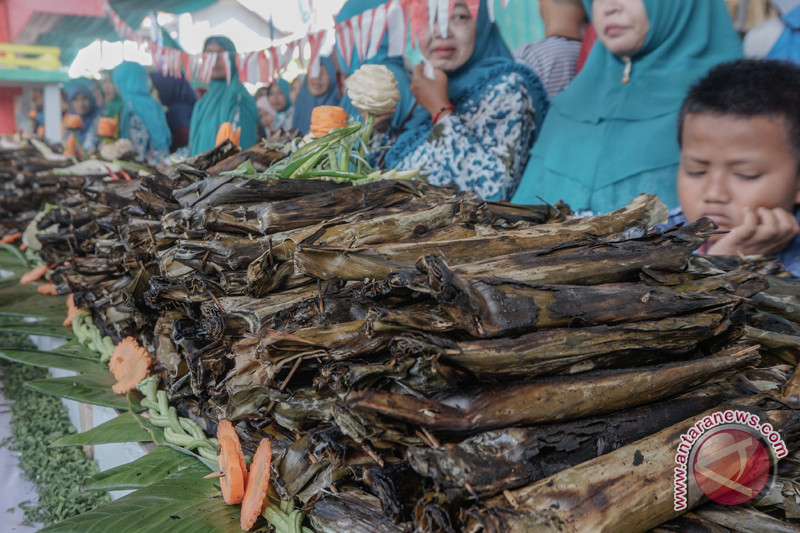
477 116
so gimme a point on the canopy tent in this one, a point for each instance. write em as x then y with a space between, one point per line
74 25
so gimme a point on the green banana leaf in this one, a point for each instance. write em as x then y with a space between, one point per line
12 259
75 349
54 360
124 428
153 467
25 300
87 388
47 328
182 501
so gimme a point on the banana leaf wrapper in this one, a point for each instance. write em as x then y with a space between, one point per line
165 293
551 350
785 347
423 316
230 190
606 261
510 214
415 374
378 261
258 313
259 155
547 400
135 192
625 490
353 511
505 459
784 305
335 342
266 218
775 323
742 519
165 352
490 308
205 160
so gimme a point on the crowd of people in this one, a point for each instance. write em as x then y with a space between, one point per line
661 103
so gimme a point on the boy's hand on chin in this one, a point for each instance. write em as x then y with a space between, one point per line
763 232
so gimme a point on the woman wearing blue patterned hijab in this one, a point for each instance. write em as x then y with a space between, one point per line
476 122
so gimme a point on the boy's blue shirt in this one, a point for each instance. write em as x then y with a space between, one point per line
789 256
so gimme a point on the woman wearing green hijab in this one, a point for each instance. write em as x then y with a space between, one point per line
612 133
141 119
113 106
223 102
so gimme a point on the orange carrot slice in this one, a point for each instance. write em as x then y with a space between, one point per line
72 310
326 118
233 477
73 122
23 246
257 484
34 275
48 288
225 429
130 364
11 237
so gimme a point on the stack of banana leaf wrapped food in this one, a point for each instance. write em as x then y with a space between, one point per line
28 180
423 360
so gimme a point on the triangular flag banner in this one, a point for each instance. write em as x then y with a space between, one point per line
443 16
378 30
226 60
344 36
474 6
358 25
315 42
301 44
396 26
264 60
361 35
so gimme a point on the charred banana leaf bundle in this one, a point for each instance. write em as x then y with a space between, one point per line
425 361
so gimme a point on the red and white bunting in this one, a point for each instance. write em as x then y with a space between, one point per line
379 27
473 6
264 60
315 43
207 66
344 35
361 35
226 61
396 26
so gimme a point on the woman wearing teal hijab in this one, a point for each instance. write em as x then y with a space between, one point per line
611 134
223 102
395 63
142 119
280 99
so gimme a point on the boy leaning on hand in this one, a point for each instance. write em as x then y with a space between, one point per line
739 133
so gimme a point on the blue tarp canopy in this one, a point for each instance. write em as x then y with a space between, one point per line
73 33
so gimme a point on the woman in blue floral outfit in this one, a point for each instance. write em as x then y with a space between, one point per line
477 119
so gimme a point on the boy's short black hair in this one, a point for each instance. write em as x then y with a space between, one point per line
749 88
